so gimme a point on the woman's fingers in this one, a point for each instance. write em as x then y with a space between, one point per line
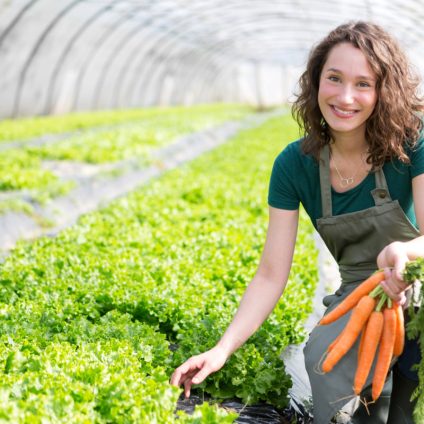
188 382
202 374
193 371
394 287
394 294
185 380
197 368
195 377
188 369
187 387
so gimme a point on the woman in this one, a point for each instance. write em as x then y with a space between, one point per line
359 173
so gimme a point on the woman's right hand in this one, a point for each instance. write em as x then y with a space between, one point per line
198 367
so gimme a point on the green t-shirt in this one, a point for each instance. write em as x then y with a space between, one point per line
295 180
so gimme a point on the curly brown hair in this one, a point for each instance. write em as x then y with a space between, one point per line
396 121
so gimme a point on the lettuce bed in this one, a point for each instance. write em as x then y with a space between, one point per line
28 128
21 168
87 319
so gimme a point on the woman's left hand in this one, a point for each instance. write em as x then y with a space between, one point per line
393 259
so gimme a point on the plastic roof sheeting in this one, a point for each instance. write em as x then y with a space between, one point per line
61 56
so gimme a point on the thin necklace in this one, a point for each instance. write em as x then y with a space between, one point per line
345 182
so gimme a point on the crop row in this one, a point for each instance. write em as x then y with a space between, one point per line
93 321
137 139
28 128
22 168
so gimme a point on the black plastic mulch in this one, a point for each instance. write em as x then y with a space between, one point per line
254 414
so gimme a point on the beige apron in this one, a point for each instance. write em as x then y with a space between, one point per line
354 239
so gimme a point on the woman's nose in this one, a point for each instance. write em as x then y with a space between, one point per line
346 94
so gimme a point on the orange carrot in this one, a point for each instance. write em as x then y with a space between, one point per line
354 326
385 352
352 299
361 341
400 331
366 354
334 342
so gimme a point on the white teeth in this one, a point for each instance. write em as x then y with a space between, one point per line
343 112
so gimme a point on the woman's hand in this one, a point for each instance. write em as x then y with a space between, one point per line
393 259
197 368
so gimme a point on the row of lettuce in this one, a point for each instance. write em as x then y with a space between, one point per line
40 126
93 322
136 134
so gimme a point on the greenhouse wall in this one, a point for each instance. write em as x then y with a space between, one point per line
74 55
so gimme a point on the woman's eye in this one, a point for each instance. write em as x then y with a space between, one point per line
333 78
363 84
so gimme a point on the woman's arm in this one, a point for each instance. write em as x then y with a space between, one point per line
397 254
258 301
269 282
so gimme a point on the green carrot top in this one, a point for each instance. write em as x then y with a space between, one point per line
414 270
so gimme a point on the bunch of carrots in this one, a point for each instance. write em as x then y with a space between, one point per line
380 323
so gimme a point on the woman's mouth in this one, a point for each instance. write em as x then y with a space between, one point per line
343 113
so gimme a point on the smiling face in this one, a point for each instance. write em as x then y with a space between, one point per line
347 91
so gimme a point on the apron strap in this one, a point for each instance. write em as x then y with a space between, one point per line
380 194
325 182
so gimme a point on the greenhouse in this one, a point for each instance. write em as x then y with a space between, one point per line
187 186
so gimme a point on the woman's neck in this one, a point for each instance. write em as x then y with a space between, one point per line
350 144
